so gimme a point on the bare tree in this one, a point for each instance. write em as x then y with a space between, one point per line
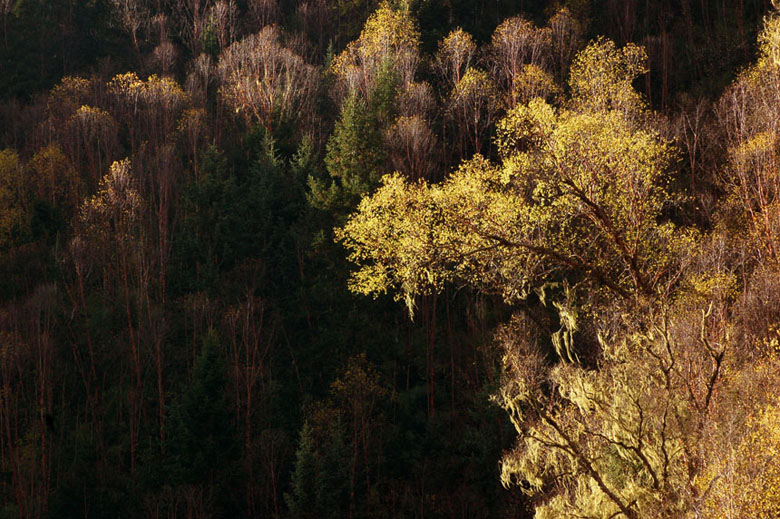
222 20
265 81
193 127
191 21
566 35
517 42
417 99
133 16
263 12
166 53
248 353
412 147
316 21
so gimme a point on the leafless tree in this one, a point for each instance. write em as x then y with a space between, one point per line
316 20
262 79
263 12
566 35
417 98
412 147
222 20
133 16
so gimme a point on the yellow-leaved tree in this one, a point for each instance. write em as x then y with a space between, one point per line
573 215
579 193
749 113
390 39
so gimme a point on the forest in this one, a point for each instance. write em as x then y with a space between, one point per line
390 259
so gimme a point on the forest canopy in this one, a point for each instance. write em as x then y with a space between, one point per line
396 258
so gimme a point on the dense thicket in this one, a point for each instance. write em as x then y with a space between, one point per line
575 202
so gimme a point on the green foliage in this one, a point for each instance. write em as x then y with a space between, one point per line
233 216
202 449
302 502
354 158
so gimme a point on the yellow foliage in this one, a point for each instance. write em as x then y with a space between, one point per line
455 54
749 111
14 203
602 75
576 192
745 480
109 219
157 92
54 178
68 95
389 37
533 82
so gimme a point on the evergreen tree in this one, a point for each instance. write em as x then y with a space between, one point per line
203 448
302 500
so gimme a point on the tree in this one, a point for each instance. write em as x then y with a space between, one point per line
91 141
412 147
265 81
133 16
14 200
472 105
390 39
623 440
302 501
571 221
515 43
54 180
454 57
748 112
108 235
263 12
579 193
354 158
203 446
566 34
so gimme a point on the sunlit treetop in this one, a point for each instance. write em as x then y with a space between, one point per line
602 75
749 112
390 37
263 80
579 193
455 55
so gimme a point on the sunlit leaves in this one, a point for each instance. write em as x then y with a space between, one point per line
389 38
515 44
749 114
602 75
619 440
14 200
455 56
108 221
54 179
578 193
473 103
